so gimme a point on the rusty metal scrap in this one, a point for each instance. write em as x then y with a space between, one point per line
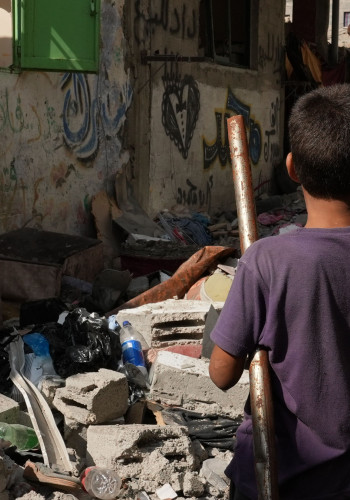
259 377
262 415
242 180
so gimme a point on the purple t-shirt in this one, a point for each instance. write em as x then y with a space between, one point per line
291 294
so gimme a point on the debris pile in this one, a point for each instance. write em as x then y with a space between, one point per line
170 432
141 416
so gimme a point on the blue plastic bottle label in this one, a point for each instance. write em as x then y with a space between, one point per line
132 353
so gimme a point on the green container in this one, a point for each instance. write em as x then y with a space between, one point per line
21 436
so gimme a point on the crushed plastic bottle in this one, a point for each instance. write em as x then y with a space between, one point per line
40 365
133 344
21 436
101 483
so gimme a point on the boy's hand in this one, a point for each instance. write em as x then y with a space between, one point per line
225 370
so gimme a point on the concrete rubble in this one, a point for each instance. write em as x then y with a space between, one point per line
169 438
106 425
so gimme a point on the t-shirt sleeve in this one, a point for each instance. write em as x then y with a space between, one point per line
241 321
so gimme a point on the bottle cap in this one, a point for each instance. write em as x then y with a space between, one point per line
126 323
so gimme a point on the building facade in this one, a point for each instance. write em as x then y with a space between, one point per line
169 75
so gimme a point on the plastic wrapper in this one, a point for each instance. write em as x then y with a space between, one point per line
83 343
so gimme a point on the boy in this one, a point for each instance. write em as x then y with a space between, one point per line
291 294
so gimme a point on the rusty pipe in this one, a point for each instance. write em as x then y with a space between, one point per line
263 426
259 376
242 181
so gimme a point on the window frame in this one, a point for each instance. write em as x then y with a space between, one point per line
251 29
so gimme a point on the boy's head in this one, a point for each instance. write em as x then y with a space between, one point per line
319 136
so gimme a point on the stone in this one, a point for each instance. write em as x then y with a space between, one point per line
213 470
184 381
126 447
93 398
193 485
48 388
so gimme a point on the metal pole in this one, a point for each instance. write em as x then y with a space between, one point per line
259 377
242 181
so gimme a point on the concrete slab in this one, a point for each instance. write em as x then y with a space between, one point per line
142 452
170 322
184 381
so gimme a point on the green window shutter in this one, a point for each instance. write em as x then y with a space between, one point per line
60 34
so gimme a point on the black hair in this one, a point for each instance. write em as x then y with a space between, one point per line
319 137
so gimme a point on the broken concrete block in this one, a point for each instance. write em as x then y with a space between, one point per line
75 437
125 448
193 485
183 381
48 388
213 470
9 410
93 398
170 322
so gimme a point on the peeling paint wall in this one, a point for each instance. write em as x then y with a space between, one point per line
60 137
189 103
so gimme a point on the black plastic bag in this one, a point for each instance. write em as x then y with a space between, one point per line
83 343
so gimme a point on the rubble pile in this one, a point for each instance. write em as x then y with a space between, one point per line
173 429
152 416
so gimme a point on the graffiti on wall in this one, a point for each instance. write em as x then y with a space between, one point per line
192 196
272 54
180 109
176 21
11 119
219 148
86 114
8 180
271 148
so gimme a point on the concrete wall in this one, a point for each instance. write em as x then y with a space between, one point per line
189 157
65 136
59 137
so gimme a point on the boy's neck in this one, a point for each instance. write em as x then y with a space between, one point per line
326 213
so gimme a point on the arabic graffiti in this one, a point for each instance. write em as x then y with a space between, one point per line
180 109
83 116
271 149
177 21
273 54
220 147
8 178
13 121
194 196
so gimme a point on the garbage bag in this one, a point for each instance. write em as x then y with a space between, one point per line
83 343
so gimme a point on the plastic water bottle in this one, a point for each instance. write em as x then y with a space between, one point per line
133 344
101 483
21 436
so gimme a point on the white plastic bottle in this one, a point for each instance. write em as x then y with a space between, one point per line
101 483
133 344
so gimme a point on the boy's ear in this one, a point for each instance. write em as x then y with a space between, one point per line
291 168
